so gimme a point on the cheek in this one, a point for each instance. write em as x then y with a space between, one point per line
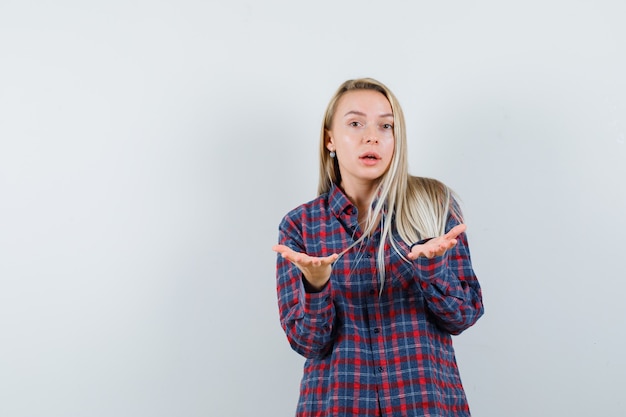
391 146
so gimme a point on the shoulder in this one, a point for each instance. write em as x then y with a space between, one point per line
437 194
429 191
309 211
430 185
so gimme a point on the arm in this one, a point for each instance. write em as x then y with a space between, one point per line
448 282
307 312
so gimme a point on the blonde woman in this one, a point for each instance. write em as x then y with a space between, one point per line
374 275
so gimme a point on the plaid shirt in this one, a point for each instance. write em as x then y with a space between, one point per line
368 355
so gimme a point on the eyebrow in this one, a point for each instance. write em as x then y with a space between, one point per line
358 113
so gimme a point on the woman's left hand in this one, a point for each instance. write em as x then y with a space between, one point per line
438 245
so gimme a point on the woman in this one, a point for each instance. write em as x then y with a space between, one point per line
375 274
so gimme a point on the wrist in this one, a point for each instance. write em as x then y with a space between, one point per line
312 287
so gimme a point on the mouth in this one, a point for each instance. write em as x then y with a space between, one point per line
371 156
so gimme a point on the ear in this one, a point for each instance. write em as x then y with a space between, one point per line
328 137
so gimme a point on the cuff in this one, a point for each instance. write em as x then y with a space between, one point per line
430 270
316 302
421 242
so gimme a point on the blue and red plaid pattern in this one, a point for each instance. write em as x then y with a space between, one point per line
371 355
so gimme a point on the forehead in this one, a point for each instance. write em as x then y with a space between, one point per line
370 102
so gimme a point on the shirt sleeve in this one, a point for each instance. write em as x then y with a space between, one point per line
306 317
450 286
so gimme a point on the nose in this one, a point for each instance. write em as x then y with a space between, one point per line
370 136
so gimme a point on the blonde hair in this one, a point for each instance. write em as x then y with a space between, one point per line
417 207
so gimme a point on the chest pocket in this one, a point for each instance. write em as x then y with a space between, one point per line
355 278
401 275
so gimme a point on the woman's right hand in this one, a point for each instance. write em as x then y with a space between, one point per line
315 270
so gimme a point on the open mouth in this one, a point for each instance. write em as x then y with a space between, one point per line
370 156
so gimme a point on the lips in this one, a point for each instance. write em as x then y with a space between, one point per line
372 156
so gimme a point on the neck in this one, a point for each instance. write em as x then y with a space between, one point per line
361 195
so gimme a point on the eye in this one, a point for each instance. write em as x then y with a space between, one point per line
355 124
387 126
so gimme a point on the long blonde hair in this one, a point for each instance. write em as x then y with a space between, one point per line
419 207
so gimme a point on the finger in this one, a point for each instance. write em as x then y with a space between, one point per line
455 231
431 249
413 253
321 260
282 249
296 258
446 244
331 258
326 259
417 251
293 256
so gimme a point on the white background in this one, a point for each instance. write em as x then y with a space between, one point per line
149 150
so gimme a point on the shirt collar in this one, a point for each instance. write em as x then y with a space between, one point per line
339 202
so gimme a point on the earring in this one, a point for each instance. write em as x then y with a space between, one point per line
332 154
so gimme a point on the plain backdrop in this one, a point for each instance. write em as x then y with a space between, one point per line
149 149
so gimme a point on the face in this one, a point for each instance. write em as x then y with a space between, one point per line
362 137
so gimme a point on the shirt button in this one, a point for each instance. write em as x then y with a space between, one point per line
377 330
368 255
380 369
